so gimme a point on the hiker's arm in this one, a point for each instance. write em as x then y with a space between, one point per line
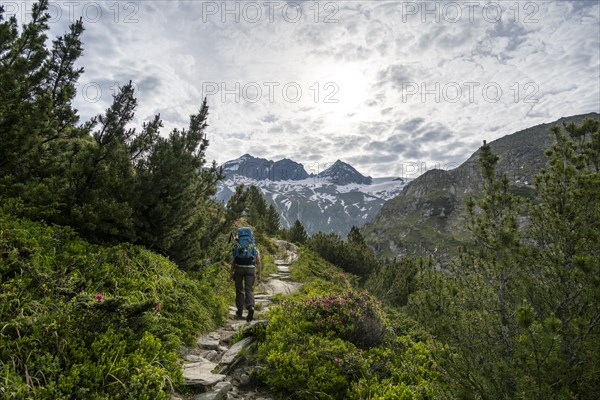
258 267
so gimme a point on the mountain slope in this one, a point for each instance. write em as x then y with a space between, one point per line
428 216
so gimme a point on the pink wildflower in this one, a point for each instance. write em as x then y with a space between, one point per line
158 307
99 297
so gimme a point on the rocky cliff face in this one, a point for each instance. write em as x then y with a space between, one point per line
262 169
428 217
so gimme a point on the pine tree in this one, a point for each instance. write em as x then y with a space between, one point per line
237 205
297 233
174 190
272 221
394 282
60 79
37 119
257 208
473 309
100 204
493 222
521 313
108 181
23 112
562 320
355 237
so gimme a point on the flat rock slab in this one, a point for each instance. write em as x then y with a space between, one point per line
209 341
281 262
200 373
283 269
275 286
192 357
219 392
234 352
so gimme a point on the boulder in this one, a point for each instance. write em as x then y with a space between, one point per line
233 353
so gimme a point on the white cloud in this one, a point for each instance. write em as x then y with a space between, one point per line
370 52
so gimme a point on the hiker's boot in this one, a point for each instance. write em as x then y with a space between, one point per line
250 314
238 314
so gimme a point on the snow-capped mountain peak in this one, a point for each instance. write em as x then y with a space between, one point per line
341 173
330 201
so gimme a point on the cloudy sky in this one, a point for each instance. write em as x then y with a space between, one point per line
392 87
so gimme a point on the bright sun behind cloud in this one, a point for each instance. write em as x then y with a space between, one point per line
342 88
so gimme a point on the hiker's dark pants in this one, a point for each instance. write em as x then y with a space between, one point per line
244 280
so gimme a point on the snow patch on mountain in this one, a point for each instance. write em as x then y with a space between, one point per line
331 201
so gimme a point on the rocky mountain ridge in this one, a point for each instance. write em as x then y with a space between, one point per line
338 173
332 200
428 216
263 169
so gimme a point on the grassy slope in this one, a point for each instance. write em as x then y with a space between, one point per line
79 320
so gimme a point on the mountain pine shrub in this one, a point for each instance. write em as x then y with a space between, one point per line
339 345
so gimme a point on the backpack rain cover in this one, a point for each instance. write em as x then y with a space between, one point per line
244 249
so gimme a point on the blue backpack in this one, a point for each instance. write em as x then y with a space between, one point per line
244 248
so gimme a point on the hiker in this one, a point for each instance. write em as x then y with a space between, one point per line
245 268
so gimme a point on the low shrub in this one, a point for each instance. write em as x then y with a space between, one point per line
353 316
79 320
338 345
311 267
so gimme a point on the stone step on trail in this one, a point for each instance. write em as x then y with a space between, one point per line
200 373
210 341
236 326
194 358
276 286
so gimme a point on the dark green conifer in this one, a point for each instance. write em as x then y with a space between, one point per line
297 233
355 237
272 222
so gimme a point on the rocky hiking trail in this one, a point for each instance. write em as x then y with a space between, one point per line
216 369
